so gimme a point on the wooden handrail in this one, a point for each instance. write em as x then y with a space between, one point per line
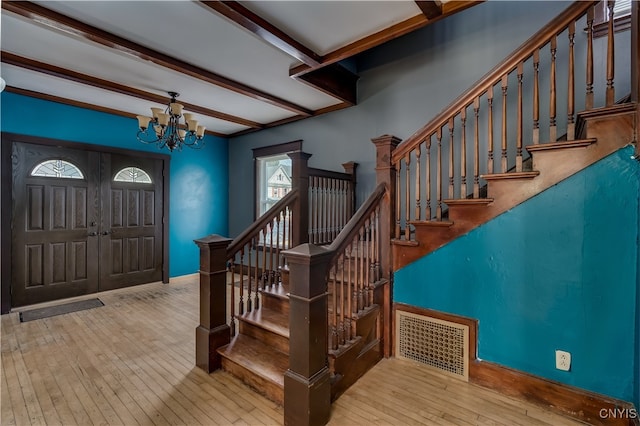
249 233
352 227
510 63
329 174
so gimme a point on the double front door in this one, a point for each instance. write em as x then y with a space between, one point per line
83 221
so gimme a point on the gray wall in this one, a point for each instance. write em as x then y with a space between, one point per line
402 85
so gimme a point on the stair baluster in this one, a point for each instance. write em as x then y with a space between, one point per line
519 120
571 126
503 157
553 135
463 152
451 157
610 94
588 104
536 97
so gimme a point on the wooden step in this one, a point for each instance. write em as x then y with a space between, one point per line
269 326
431 229
466 208
501 185
256 364
578 143
276 298
551 158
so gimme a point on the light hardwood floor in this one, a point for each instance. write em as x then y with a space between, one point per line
132 362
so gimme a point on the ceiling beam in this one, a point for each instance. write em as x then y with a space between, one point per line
66 24
268 32
52 70
334 80
383 36
85 105
331 79
430 9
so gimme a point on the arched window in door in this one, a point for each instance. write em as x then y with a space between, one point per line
132 174
57 168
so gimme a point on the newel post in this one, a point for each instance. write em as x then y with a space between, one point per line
300 181
213 331
386 173
307 387
350 168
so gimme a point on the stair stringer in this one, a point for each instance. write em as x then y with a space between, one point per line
611 127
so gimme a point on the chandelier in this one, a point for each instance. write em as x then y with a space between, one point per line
165 129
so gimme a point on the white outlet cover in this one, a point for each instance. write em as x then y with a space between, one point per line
563 360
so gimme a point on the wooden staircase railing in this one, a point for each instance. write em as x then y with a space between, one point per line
480 135
332 200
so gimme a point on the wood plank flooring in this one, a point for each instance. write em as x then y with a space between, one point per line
132 362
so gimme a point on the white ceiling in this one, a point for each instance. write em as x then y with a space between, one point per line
191 33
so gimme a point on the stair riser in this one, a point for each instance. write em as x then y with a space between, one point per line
551 162
268 337
266 387
275 303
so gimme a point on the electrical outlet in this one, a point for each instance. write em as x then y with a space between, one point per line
563 360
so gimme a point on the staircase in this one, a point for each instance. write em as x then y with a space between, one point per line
480 138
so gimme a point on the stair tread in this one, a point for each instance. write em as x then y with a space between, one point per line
468 201
409 243
435 223
276 290
269 319
577 143
513 175
257 357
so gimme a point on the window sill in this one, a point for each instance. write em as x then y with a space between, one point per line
619 24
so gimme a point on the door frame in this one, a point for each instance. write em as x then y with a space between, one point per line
6 210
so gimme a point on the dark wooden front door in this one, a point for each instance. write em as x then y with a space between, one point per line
76 228
131 226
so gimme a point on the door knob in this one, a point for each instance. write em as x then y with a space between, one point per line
106 232
93 234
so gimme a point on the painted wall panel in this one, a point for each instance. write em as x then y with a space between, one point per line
198 178
556 272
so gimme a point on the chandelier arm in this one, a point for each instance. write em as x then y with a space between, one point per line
170 135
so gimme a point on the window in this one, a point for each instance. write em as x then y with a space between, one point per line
621 17
273 177
57 168
272 174
132 174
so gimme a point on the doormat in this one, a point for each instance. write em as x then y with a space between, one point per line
66 308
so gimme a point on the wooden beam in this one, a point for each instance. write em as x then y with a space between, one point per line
385 35
430 9
10 58
334 80
85 105
52 19
242 16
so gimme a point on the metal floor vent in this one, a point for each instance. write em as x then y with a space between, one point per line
439 344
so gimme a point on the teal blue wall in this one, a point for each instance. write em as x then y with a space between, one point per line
557 272
198 178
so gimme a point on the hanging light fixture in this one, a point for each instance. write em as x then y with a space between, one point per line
165 129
